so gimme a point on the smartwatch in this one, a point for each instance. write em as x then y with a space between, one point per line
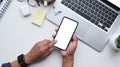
21 60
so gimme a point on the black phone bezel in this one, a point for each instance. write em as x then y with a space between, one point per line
72 34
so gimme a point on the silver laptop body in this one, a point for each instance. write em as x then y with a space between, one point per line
88 32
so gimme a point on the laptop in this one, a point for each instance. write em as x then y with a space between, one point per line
98 19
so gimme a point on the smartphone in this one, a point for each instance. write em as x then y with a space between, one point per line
65 32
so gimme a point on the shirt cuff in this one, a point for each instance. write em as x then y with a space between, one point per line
6 65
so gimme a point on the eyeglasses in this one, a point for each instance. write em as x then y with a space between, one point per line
33 3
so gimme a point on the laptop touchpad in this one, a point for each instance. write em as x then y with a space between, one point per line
82 28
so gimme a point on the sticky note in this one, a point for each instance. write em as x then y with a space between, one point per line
39 17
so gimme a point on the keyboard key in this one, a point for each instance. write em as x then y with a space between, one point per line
93 3
98 15
66 4
72 3
75 5
93 21
98 19
105 19
100 24
84 1
63 2
106 11
96 23
90 5
101 21
106 24
101 17
69 6
82 9
79 3
106 30
103 27
88 13
76 1
79 7
73 8
109 17
85 11
82 14
68 1
103 9
91 15
114 16
109 22
92 11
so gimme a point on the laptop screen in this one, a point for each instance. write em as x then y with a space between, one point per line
115 2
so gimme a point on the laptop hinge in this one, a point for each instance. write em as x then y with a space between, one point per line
111 5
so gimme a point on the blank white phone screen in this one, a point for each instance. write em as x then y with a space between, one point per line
65 33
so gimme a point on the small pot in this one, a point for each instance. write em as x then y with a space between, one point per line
112 42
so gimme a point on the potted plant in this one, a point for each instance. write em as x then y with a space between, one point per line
115 42
118 42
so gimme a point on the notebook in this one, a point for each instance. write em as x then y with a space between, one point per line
4 4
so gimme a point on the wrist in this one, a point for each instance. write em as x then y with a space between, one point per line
15 64
68 61
68 58
21 60
27 59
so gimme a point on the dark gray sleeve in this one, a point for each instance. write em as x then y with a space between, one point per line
6 65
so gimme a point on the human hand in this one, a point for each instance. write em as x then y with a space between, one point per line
68 55
40 50
72 46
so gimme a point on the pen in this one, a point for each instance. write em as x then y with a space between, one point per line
37 2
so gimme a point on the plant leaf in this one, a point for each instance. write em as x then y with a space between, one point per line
118 42
118 45
118 39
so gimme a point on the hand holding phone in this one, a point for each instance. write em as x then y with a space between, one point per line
65 33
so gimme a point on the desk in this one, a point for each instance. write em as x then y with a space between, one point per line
18 35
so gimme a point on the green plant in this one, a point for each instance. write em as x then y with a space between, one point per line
118 42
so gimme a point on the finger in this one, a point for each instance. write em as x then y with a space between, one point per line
39 42
51 44
48 52
53 35
74 41
45 42
74 38
56 30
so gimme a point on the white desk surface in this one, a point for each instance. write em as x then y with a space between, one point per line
18 35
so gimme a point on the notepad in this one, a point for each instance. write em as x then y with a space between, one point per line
4 4
39 17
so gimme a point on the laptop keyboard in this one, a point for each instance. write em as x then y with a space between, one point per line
94 11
